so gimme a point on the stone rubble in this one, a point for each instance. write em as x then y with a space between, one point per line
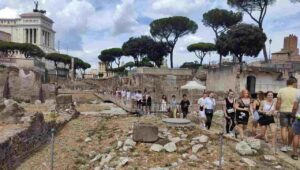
170 147
248 161
196 148
156 148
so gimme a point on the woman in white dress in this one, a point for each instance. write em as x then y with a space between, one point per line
163 105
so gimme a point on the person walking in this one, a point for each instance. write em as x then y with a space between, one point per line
173 106
185 103
296 127
201 110
229 112
267 112
244 109
256 116
285 101
163 104
209 105
149 103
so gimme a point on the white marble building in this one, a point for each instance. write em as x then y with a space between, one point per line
33 27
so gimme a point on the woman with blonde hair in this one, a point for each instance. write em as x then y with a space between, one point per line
244 109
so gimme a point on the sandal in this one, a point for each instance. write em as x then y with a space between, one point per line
295 157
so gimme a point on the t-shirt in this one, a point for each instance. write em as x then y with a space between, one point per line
201 101
209 103
287 96
185 104
139 97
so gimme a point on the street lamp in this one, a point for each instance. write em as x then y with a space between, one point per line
270 42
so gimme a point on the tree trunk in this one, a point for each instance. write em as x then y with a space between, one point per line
264 47
220 61
265 53
241 63
201 61
171 56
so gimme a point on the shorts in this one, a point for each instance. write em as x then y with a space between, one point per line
286 119
296 127
265 120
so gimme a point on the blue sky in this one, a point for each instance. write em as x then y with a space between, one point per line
85 27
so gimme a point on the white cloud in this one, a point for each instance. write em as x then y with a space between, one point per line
178 7
125 17
8 13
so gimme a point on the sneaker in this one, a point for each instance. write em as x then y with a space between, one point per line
289 148
283 149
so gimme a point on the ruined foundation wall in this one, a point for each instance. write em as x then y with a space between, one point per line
24 85
221 80
18 143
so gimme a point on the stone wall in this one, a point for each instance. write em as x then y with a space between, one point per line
157 84
18 141
220 80
24 84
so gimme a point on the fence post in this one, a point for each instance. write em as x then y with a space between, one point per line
52 148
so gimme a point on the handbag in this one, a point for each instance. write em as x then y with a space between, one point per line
256 115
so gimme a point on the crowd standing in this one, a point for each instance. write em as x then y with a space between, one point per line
265 113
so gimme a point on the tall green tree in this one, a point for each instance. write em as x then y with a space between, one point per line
257 10
220 20
116 53
241 40
156 52
170 29
137 47
201 49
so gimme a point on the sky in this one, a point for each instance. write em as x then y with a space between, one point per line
85 27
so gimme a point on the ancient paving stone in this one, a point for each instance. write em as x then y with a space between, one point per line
145 133
64 99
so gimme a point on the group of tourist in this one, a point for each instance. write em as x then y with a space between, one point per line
265 111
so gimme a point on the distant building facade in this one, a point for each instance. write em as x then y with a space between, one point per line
289 53
102 71
34 28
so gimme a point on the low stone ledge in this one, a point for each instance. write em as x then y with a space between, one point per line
19 140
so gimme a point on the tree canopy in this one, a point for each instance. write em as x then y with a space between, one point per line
115 53
137 47
241 40
28 50
252 8
201 49
57 57
170 29
156 52
220 20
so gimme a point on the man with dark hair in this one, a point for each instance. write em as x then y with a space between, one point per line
286 97
185 103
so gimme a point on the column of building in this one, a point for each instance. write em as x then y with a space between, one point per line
31 35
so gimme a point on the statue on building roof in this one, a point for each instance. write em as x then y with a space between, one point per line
36 3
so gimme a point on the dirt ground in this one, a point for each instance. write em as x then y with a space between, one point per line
71 152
